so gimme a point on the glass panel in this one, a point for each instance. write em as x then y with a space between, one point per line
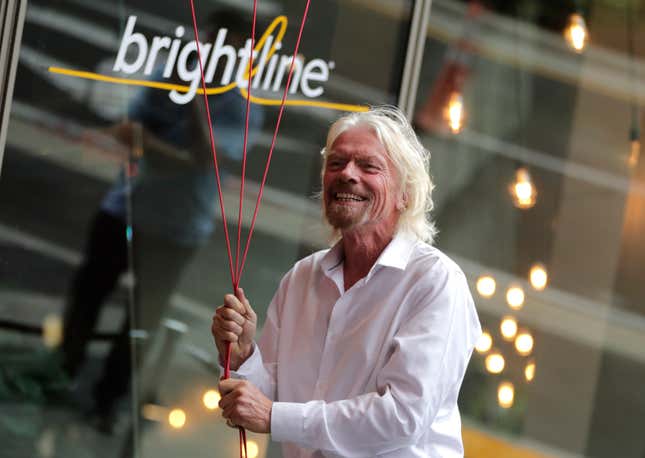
114 250
537 175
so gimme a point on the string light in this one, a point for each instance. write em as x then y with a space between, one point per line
484 343
529 371
454 112
523 190
524 343
486 286
177 418
515 297
505 394
538 277
576 32
508 328
495 362
211 399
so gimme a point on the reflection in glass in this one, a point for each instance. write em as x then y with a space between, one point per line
495 362
484 343
505 394
515 297
524 343
486 286
508 328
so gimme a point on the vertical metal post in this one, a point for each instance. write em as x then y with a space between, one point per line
12 17
414 56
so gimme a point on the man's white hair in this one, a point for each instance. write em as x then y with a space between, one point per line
410 158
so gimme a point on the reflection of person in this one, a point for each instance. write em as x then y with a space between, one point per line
173 198
366 344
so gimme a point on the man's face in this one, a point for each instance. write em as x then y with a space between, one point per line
360 184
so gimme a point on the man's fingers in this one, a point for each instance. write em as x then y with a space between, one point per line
227 336
234 303
231 326
248 310
227 313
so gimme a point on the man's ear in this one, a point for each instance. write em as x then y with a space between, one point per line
402 203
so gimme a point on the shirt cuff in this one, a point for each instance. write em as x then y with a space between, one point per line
248 367
287 422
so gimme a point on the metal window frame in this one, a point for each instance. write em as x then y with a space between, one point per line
414 57
12 18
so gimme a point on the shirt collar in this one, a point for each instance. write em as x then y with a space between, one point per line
396 254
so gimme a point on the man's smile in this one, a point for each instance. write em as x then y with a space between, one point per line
348 197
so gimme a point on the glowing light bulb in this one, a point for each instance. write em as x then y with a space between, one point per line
484 343
576 32
495 362
538 277
486 286
177 418
211 399
515 297
454 112
529 371
524 343
52 330
252 449
523 190
508 328
505 394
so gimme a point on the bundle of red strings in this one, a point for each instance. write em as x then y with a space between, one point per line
236 273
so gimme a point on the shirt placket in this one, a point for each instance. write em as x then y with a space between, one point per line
331 351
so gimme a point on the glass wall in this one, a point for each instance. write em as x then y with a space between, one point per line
113 250
540 197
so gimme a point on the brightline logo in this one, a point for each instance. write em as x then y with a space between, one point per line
269 73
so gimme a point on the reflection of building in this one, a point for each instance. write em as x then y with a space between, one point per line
530 101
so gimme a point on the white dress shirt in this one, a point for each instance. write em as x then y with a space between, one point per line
371 371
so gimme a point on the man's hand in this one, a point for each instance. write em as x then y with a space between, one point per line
235 322
243 404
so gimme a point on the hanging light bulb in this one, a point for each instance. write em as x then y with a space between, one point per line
538 277
515 297
576 32
484 343
508 328
211 399
177 418
523 190
529 371
505 394
495 362
524 343
454 112
486 286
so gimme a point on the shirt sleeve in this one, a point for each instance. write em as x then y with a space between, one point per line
428 360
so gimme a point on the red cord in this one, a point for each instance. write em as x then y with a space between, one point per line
275 135
236 281
236 274
212 140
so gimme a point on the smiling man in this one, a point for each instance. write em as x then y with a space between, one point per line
366 344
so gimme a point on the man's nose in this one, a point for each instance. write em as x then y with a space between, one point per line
350 172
